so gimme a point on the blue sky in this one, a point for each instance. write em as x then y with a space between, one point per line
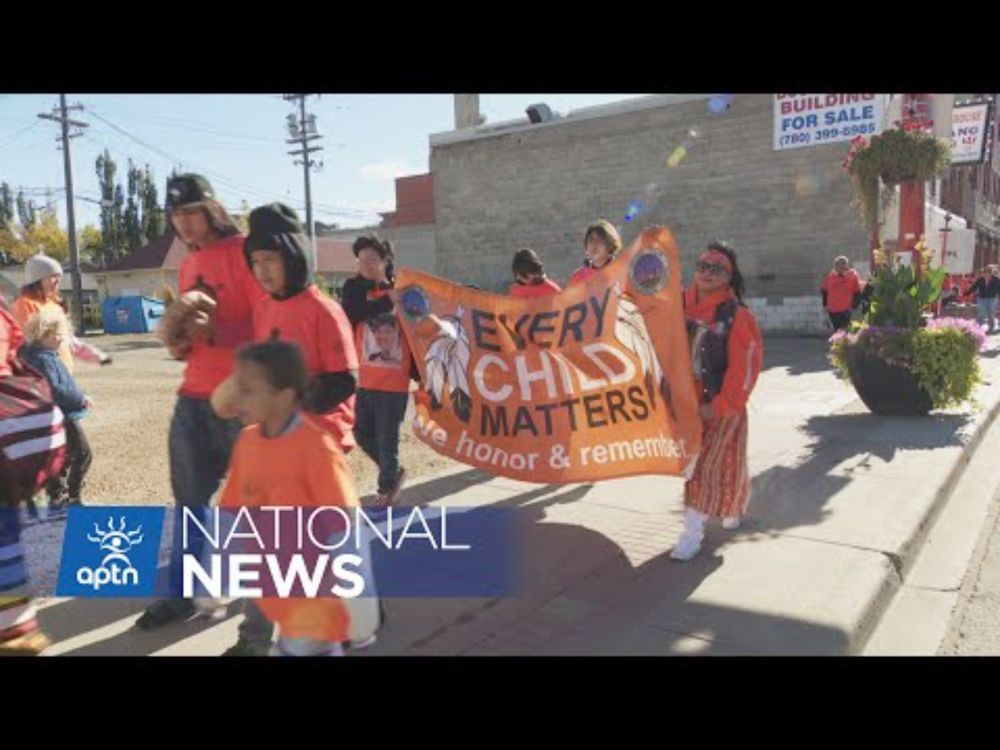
238 141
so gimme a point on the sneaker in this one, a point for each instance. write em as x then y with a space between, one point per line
732 523
165 611
31 643
211 609
246 648
393 495
687 547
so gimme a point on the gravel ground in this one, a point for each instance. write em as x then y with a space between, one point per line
127 429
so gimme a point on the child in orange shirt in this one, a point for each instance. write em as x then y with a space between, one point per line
529 276
283 459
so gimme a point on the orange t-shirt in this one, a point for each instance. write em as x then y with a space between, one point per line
384 355
11 338
840 290
302 468
24 307
321 328
545 289
220 271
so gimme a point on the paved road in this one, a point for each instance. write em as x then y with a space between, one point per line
975 626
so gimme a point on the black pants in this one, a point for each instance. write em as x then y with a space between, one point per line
69 483
377 420
840 320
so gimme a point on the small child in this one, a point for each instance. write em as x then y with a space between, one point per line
283 459
46 332
529 276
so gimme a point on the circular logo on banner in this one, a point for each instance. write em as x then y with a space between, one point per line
415 304
649 271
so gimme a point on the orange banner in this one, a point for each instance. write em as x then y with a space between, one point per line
592 383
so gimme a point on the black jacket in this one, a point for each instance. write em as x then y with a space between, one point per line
354 297
986 289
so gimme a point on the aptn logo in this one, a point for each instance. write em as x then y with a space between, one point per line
115 568
110 551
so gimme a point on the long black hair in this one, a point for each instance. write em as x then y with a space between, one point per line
735 278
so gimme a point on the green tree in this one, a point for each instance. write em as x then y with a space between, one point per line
91 244
153 223
132 221
6 206
46 236
25 211
112 220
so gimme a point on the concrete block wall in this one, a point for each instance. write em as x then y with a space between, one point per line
787 212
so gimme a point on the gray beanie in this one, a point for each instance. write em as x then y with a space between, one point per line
39 267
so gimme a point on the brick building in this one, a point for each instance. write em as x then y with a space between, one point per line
410 228
972 191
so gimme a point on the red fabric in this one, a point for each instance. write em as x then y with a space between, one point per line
225 276
840 290
321 328
581 274
545 289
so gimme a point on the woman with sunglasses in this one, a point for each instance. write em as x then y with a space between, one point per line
726 353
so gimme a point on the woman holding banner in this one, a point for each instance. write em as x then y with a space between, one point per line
601 242
726 352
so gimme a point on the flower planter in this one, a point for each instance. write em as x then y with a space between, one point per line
887 390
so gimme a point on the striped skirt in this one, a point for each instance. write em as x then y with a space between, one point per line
720 485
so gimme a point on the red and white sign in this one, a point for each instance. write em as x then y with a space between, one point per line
968 133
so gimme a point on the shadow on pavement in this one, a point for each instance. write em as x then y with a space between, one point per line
790 497
797 355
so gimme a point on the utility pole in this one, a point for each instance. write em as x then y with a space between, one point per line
302 130
60 115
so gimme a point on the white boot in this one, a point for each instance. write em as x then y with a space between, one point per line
732 523
690 540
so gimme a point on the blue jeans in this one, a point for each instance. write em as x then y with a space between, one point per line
377 419
986 311
200 446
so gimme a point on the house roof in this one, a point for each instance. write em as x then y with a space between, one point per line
334 256
166 252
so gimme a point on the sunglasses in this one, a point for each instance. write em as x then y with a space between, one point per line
713 268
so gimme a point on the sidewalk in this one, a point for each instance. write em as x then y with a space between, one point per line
841 503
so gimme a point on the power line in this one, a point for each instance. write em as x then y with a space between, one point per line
235 185
15 135
191 125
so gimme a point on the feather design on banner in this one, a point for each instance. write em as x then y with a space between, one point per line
447 362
